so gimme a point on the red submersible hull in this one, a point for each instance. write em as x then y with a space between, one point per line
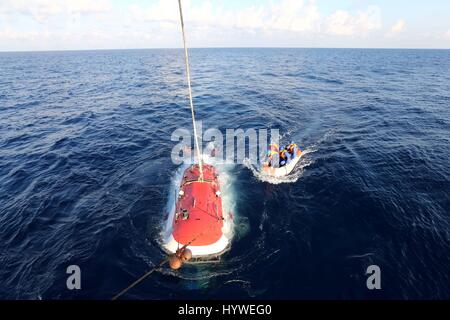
197 219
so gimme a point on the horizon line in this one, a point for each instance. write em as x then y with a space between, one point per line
231 47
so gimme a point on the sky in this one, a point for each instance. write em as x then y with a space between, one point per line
32 25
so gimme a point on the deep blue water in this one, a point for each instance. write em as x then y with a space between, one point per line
85 172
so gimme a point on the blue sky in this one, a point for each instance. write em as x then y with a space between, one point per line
108 24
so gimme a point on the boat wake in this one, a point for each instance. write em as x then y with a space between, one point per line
305 161
294 176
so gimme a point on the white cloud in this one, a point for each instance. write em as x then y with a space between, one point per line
57 24
288 15
397 28
40 10
11 34
447 34
343 23
298 17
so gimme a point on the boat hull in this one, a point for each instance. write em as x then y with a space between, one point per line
196 219
285 170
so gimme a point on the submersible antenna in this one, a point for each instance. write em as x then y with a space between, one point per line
188 73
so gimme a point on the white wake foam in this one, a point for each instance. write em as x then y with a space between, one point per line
294 176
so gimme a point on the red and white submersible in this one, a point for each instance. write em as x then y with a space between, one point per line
196 222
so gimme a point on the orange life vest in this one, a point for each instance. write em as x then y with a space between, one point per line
274 147
271 153
291 147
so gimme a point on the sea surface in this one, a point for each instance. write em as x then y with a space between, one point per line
86 172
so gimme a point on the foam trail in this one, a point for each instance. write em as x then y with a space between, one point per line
226 180
290 178
296 174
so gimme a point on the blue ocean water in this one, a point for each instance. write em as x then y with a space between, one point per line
85 172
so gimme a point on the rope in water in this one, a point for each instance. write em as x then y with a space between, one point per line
145 276
188 73
161 264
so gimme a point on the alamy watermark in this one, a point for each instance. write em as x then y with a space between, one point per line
374 280
73 282
230 145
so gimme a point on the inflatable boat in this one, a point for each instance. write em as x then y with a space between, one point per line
284 170
196 220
